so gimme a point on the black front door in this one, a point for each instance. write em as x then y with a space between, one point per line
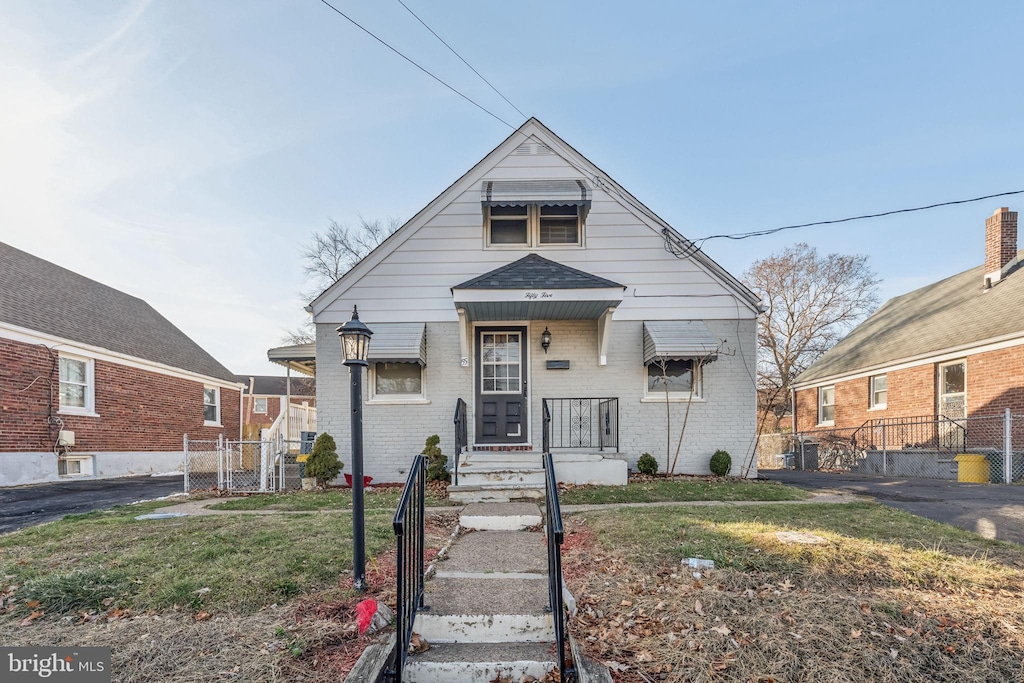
501 385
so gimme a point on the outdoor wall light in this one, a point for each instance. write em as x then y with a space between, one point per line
355 340
545 339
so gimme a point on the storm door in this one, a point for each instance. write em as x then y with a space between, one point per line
501 404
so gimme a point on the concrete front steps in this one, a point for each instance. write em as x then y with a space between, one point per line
488 600
503 476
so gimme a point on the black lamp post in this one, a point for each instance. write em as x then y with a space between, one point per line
355 343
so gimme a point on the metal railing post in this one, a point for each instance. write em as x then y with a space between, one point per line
1008 446
885 454
184 447
220 461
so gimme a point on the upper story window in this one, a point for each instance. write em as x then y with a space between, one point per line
827 405
259 405
211 406
533 225
879 394
77 384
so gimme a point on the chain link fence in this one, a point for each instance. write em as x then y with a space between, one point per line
240 466
925 447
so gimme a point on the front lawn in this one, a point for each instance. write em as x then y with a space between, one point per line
885 596
332 499
680 489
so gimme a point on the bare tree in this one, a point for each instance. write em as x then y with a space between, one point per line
812 302
330 254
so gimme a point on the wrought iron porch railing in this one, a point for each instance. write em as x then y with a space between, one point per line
461 436
408 525
555 536
581 423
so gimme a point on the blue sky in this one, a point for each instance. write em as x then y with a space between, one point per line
183 151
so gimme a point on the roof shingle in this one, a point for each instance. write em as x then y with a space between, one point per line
534 272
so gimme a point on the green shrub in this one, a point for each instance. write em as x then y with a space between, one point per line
323 463
721 463
647 464
437 462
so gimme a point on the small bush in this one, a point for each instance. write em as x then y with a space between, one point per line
721 463
437 462
323 463
647 464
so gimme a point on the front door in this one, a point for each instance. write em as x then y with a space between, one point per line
501 385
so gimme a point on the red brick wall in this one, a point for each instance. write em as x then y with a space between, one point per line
995 381
273 409
138 410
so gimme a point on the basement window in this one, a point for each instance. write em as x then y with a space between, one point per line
75 466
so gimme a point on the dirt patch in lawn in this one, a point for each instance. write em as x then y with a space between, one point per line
794 614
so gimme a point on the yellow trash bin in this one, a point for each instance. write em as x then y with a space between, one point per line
972 468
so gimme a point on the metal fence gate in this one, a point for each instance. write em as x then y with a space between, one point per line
238 466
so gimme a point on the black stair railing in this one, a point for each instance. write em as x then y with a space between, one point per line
555 536
461 435
408 525
582 423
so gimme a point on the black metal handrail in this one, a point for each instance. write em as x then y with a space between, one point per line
461 435
581 423
555 536
408 524
546 430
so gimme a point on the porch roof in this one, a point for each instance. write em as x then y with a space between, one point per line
536 288
299 357
676 339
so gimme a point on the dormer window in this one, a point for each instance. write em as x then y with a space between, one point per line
534 213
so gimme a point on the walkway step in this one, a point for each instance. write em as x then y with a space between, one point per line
500 516
498 474
497 551
495 493
481 610
505 458
479 663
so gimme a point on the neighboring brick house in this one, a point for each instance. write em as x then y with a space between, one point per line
264 395
94 382
954 348
536 277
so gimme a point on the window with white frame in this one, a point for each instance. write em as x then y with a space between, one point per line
397 380
677 375
529 225
878 392
211 405
259 405
827 405
77 385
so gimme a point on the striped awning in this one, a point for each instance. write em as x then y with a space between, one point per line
677 339
512 192
398 343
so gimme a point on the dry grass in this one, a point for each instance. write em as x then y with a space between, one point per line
889 597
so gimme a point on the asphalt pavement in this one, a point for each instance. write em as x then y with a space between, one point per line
22 506
991 510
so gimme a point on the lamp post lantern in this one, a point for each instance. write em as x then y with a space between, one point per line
355 343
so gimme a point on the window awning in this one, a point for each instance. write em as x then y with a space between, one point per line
398 343
677 339
511 192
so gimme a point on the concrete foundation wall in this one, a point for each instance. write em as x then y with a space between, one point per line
34 468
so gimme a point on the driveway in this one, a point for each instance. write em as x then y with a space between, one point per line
23 506
994 511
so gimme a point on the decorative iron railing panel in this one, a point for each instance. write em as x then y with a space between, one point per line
581 423
408 525
461 436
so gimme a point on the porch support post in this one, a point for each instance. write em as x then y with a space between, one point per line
464 332
604 335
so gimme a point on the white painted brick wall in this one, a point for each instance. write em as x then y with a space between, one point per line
394 433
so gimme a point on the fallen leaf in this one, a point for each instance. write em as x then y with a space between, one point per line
855 632
107 602
30 618
865 609
203 616
724 630
894 653
698 608
419 644
32 604
626 603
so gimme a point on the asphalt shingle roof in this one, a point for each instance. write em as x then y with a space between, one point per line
535 272
951 313
268 385
41 296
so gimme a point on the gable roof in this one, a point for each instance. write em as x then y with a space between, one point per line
531 129
949 315
269 385
43 297
534 271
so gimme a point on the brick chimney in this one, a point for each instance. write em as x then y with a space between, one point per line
1000 244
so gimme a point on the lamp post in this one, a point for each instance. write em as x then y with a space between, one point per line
355 343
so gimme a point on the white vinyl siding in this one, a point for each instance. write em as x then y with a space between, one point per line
827 405
211 406
77 384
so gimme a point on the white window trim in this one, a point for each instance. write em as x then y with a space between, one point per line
266 405
89 409
938 385
827 423
86 466
397 399
533 230
871 393
213 423
658 395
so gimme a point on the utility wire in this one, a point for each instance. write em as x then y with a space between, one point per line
408 59
491 85
771 231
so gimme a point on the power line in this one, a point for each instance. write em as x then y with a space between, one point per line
424 70
770 231
463 60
